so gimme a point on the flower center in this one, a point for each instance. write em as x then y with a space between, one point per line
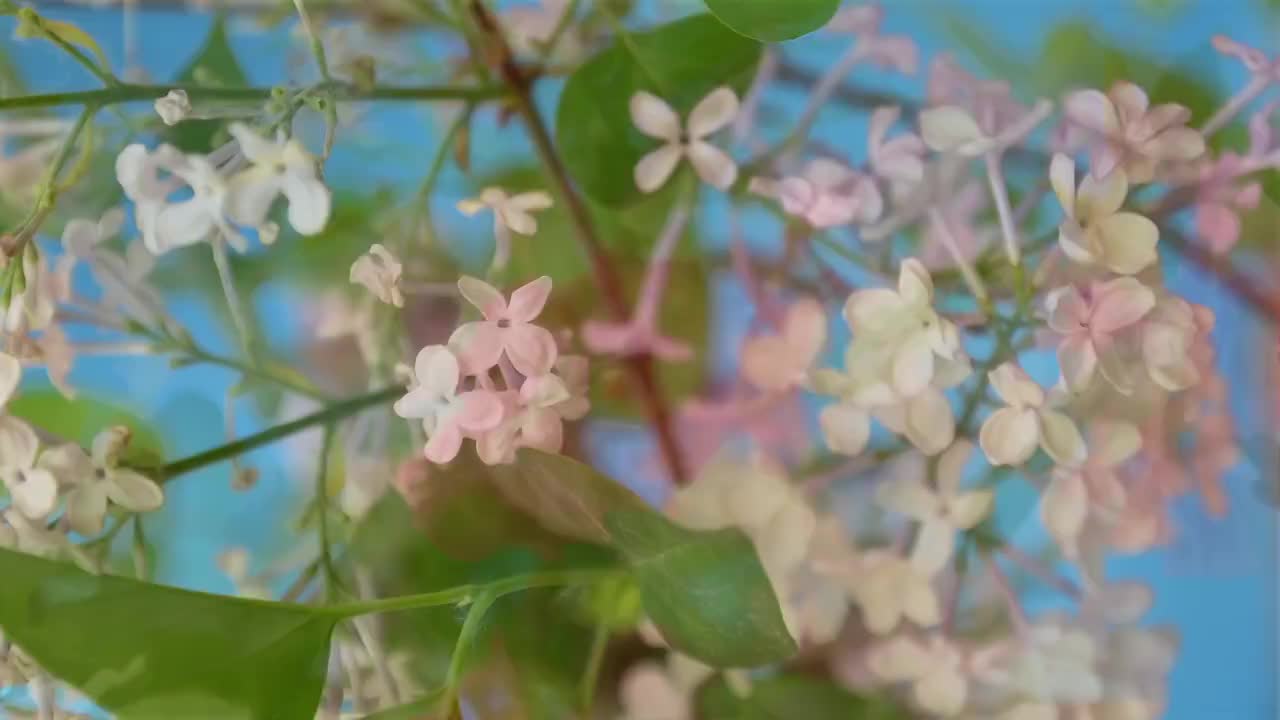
504 323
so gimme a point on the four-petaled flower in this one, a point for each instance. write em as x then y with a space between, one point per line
782 361
1131 135
283 167
1095 231
1072 492
93 480
512 213
933 666
1089 326
1169 333
941 512
446 414
1011 434
506 328
828 194
900 160
655 118
889 588
33 488
379 272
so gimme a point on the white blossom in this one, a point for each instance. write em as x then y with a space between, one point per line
379 272
94 480
1011 434
283 167
655 118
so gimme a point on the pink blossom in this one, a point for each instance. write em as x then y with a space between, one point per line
505 328
1089 324
899 160
970 116
961 212
446 414
1219 201
892 52
781 361
828 194
1131 135
1073 494
1254 60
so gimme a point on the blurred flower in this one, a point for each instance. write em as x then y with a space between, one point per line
651 691
1129 134
933 666
1088 327
1095 231
34 489
379 272
941 512
899 160
93 480
889 588
950 128
1073 493
892 52
234 563
446 414
1169 332
1010 435
655 118
505 329
510 212
283 167
174 107
21 171
828 194
780 362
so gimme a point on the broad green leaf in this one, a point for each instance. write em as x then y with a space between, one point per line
680 62
149 652
79 420
706 591
771 20
791 697
214 64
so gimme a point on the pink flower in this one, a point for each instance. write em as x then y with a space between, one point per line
828 194
972 117
505 328
1255 61
1073 494
1219 201
892 52
899 160
1088 325
782 361
1130 134
446 414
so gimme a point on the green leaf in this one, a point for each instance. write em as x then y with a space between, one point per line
772 20
214 64
787 697
151 652
680 62
706 591
79 420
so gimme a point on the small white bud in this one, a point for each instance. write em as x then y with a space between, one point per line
174 107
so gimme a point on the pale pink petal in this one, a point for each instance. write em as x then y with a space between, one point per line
845 428
1179 143
1068 311
1061 439
1062 177
543 430
1093 110
806 328
527 301
930 424
713 112
1131 101
543 391
1015 386
943 691
444 444
1063 509
882 118
1120 303
933 547
1009 436
654 117
1128 242
477 411
477 345
713 165
654 169
1114 367
483 296
767 363
901 658
532 349
1218 225
908 495
1078 360
1254 60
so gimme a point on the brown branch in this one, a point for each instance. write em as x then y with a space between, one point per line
606 275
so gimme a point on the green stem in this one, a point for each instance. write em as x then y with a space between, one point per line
466 638
330 414
463 593
595 660
195 352
317 47
331 579
341 92
76 53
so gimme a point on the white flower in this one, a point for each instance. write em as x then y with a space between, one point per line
1066 503
779 362
941 512
888 588
95 479
150 177
951 128
234 563
906 322
510 212
122 277
1095 231
445 413
1010 435
651 691
283 167
655 118
379 272
934 667
1089 327
32 308
174 107
34 489
1054 663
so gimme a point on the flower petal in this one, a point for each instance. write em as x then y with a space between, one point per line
654 117
309 202
18 443
914 283
444 444
1114 442
483 296
1092 110
36 494
437 371
1120 303
655 168
845 428
10 377
477 411
933 547
532 349
949 129
86 509
969 508
908 495
1098 199
1015 386
716 167
930 424
528 300
1063 509
913 365
1009 436
943 691
712 113
478 346
133 491
1062 176
1061 439
901 658
1128 242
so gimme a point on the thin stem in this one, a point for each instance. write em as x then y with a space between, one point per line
124 93
463 593
595 660
1234 105
1000 193
317 47
967 272
1017 614
604 272
198 353
332 413
466 638
655 280
331 579
234 306
32 19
